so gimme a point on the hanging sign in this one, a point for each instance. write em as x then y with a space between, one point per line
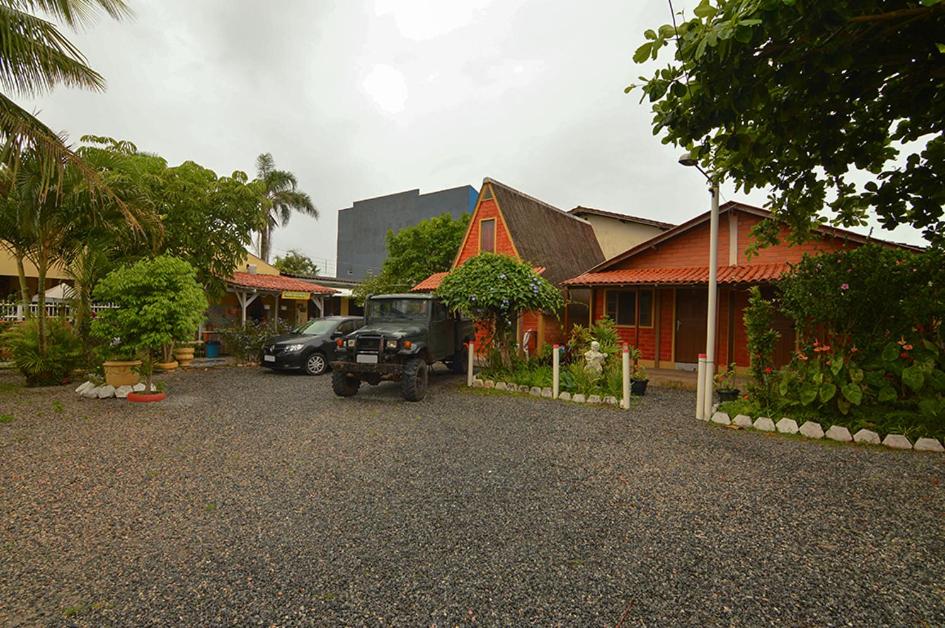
297 295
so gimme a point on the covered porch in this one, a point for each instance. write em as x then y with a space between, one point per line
274 298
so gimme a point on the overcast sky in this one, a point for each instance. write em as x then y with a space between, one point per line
361 98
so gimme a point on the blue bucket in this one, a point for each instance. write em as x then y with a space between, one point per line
213 349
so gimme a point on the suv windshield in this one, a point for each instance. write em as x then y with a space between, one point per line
398 309
316 327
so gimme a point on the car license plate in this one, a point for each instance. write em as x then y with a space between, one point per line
366 358
269 358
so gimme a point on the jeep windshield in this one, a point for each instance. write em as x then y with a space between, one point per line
398 309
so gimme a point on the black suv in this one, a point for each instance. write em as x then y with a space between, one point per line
309 347
403 335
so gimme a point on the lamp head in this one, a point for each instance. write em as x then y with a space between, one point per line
687 159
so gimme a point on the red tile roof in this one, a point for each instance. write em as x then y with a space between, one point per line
430 284
748 273
433 282
276 283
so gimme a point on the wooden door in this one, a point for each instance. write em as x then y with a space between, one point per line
691 304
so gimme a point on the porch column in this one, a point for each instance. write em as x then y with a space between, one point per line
245 300
658 297
275 319
319 302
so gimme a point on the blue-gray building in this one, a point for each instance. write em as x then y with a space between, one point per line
362 228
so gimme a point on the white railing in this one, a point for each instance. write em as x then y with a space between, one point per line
19 311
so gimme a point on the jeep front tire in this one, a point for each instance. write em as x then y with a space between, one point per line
344 385
414 381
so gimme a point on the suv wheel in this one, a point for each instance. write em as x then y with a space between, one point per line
316 364
344 385
414 382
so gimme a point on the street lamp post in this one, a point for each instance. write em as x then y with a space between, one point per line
705 384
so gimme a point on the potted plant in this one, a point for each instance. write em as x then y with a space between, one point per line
638 380
725 384
167 363
184 354
157 301
122 368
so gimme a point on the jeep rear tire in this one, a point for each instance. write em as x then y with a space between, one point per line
344 385
414 382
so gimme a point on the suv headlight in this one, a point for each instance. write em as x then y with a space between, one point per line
351 343
294 347
391 345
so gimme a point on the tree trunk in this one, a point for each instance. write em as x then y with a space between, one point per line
41 268
265 237
24 289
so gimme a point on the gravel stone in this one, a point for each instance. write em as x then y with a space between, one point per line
897 441
721 418
578 398
547 393
564 396
787 426
928 444
764 424
83 387
91 393
477 383
535 391
122 391
106 391
610 399
501 386
867 437
593 399
488 383
256 498
811 429
839 433
742 420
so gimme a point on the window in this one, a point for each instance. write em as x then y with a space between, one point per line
487 235
440 312
622 307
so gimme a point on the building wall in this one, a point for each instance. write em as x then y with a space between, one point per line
616 236
362 228
487 210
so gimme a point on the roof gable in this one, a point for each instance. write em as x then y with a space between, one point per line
544 235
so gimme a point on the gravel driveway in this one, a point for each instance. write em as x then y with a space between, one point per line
253 497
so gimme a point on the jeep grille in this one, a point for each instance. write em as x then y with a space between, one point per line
369 343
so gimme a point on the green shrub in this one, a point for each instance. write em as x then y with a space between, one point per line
246 343
63 354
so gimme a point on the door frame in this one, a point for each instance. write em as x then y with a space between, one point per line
682 365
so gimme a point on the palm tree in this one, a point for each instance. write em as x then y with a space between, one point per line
35 57
280 197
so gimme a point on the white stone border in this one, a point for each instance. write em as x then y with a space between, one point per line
813 430
546 393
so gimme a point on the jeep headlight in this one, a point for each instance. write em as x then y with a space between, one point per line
351 343
391 345
294 348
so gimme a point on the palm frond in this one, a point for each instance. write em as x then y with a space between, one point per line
73 12
294 200
35 56
264 165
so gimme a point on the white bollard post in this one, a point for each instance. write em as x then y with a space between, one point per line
625 401
555 371
708 389
470 354
700 388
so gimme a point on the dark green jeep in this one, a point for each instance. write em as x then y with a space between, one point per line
403 335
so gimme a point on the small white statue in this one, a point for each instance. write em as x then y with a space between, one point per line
594 359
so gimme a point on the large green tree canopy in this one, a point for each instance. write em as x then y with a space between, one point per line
414 253
807 97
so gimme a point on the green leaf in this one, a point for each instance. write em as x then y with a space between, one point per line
827 391
941 48
891 352
784 387
836 365
852 393
705 10
843 405
649 33
667 31
643 52
913 377
856 374
818 377
936 380
886 394
808 394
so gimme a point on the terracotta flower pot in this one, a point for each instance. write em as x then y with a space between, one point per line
121 372
166 366
184 355
142 397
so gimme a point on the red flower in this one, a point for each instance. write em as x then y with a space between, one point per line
904 355
768 370
907 347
